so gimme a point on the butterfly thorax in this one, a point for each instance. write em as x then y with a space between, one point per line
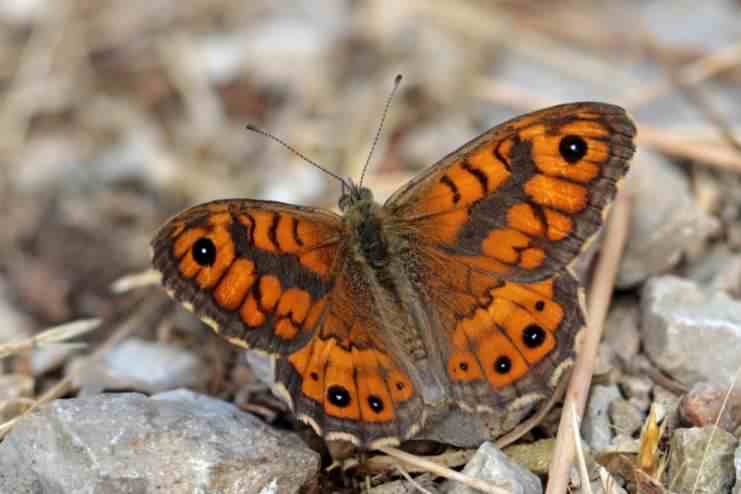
364 219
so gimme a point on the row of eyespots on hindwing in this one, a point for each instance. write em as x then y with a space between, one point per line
503 339
351 383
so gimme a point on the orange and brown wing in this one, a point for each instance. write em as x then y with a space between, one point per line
502 341
521 200
257 272
347 382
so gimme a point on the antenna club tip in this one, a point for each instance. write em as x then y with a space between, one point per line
250 126
398 78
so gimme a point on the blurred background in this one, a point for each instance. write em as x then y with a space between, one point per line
116 115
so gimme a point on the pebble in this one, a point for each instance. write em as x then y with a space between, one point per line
176 442
638 390
625 416
143 365
665 221
693 454
702 405
718 269
621 329
596 427
490 464
690 332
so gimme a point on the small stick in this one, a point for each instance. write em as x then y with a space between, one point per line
599 302
136 280
441 471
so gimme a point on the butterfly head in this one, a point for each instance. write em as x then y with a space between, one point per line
353 195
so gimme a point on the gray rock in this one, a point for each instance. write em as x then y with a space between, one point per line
693 454
262 365
146 366
621 329
719 269
596 427
665 220
490 464
468 430
667 403
683 325
536 457
177 442
625 416
638 390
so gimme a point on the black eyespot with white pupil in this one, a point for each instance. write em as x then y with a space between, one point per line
204 252
533 336
338 396
503 365
375 403
572 148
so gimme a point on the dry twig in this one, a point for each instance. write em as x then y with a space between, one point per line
599 302
441 471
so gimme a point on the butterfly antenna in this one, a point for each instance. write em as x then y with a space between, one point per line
296 152
397 81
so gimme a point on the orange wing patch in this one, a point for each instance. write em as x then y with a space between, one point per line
352 384
507 335
264 271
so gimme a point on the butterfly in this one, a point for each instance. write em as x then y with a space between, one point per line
456 290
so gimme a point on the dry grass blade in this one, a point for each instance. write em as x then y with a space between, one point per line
599 302
137 280
683 147
451 458
586 484
409 479
694 96
441 471
50 336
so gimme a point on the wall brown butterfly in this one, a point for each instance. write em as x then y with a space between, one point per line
457 286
